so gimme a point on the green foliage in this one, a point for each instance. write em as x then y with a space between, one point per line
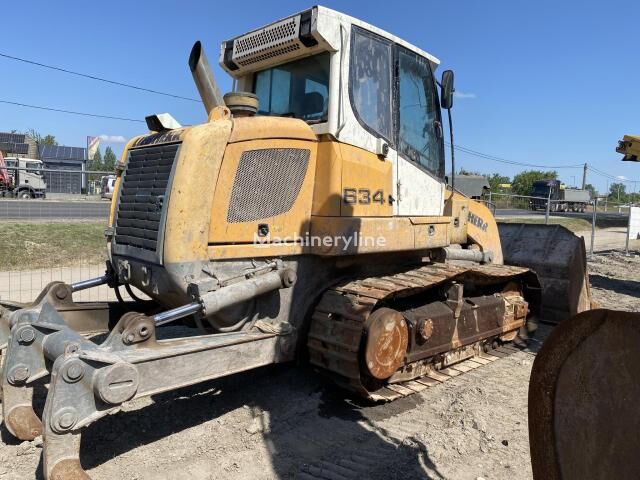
468 172
592 190
497 179
95 164
523 181
109 162
618 192
41 139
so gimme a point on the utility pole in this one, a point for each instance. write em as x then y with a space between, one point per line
584 177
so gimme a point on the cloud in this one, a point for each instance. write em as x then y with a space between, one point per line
113 138
621 177
459 94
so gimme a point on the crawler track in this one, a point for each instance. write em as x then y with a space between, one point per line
338 323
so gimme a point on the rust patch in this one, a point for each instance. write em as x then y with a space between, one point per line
387 339
340 343
24 423
68 469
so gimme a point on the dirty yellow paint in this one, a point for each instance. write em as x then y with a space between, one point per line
327 193
350 236
482 229
294 222
191 198
366 183
476 224
261 128
351 182
456 208
256 251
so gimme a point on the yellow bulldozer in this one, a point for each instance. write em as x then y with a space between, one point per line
309 218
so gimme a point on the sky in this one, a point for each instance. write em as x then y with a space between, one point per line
542 82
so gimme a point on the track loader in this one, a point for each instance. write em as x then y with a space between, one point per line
308 217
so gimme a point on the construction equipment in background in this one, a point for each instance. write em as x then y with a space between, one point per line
629 146
583 399
562 199
21 178
308 217
6 180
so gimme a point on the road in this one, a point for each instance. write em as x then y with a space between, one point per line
616 217
40 209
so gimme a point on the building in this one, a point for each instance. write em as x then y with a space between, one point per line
67 159
55 157
472 186
18 145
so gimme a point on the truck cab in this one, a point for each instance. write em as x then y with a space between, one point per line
27 178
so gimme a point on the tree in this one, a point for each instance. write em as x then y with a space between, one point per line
110 159
618 192
468 172
94 164
592 190
523 181
41 139
496 179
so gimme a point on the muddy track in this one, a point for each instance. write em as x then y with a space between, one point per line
338 323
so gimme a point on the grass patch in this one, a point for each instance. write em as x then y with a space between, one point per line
573 224
28 246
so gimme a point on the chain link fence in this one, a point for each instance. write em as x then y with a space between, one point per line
59 235
604 223
52 229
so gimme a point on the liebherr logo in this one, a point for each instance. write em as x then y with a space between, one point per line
478 222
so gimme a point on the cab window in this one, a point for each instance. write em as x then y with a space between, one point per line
418 113
298 89
33 167
370 81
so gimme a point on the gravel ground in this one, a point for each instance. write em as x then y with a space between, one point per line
285 422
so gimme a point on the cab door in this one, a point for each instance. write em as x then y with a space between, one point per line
419 134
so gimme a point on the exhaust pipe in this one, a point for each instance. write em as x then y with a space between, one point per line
203 76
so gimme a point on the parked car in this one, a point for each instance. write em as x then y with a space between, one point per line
107 185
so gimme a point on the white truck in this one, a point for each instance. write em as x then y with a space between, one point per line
22 178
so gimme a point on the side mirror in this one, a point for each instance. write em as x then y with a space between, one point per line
446 86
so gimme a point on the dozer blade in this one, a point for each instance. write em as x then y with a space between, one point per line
558 257
583 399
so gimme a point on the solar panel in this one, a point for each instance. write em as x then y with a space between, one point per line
61 152
14 148
12 137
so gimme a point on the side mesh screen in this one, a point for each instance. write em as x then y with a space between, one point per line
267 183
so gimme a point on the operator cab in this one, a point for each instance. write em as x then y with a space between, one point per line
354 83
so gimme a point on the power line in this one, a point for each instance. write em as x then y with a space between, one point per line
93 77
84 114
612 177
507 161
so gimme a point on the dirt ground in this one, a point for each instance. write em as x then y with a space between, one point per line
286 422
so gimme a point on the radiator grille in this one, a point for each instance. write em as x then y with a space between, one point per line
267 183
142 196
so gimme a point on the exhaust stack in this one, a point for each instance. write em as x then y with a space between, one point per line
203 76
